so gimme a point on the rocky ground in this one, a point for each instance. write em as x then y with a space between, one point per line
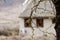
14 35
44 37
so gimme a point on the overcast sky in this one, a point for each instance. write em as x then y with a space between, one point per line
7 3
10 5
10 9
